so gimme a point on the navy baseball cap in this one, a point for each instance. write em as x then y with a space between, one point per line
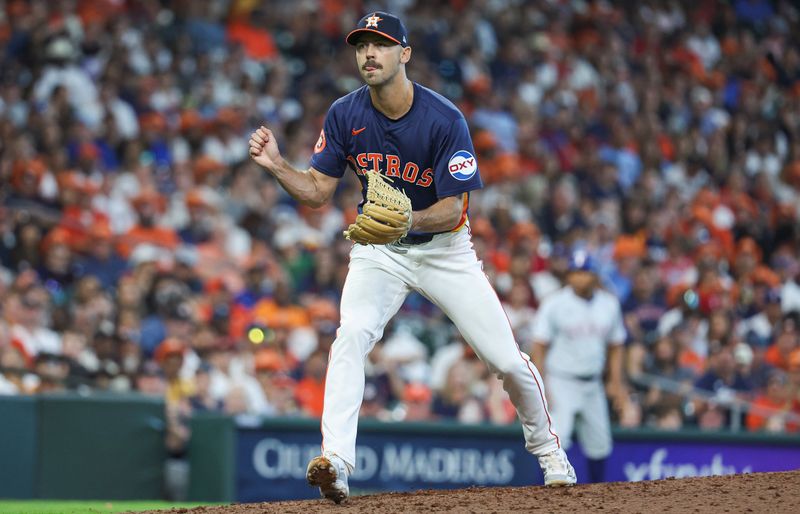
383 24
580 260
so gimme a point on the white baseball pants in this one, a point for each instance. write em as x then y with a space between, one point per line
446 271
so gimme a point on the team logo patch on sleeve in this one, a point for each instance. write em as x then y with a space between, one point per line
462 165
320 146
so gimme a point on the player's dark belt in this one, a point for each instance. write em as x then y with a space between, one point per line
416 239
580 378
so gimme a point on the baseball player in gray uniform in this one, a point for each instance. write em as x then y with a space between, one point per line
577 329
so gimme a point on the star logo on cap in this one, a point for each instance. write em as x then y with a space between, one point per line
373 20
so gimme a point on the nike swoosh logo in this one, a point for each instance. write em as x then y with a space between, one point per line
357 132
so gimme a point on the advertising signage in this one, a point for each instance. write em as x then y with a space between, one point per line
271 464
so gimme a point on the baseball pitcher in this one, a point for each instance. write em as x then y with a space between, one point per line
413 154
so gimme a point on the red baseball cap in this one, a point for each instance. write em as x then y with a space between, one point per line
417 393
269 360
169 346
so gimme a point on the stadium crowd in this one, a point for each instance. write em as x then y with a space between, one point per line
141 249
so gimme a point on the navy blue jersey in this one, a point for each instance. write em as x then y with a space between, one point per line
427 153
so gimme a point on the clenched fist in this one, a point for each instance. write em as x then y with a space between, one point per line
264 149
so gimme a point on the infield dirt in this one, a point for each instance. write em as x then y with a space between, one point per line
757 492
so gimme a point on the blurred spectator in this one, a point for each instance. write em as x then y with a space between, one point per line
148 205
666 416
790 292
235 402
383 386
283 398
520 310
149 380
445 357
691 327
83 362
405 353
794 378
52 371
201 400
230 381
551 278
499 408
61 69
644 307
28 310
771 408
758 328
310 390
172 315
456 400
102 260
785 341
169 355
665 141
668 382
15 367
416 403
724 382
271 371
57 271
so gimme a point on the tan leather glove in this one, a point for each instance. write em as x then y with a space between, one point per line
386 215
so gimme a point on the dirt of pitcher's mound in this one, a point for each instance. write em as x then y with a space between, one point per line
756 492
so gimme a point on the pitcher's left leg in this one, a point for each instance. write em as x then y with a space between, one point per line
464 294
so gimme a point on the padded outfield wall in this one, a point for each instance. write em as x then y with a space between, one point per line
68 446
111 446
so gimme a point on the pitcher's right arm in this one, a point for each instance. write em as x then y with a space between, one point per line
309 187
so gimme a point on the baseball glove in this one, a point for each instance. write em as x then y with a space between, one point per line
386 215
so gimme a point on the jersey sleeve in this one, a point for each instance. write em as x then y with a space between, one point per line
617 334
329 157
456 166
542 330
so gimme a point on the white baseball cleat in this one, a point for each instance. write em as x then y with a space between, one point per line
329 473
558 472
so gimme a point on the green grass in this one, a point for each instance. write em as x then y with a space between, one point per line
85 507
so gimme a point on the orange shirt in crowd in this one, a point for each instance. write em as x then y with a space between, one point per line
758 421
310 395
775 358
79 223
256 41
691 360
271 314
158 236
